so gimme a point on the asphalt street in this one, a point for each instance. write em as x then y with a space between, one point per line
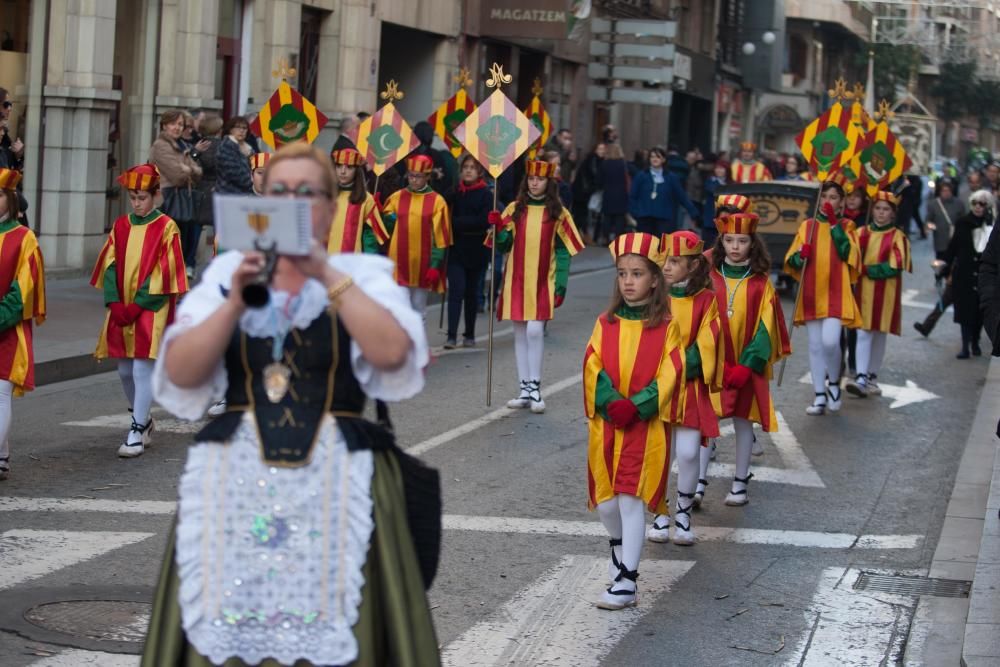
772 583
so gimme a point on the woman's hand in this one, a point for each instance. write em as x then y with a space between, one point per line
246 273
314 265
203 145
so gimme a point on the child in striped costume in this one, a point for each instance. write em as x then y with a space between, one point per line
633 364
540 236
885 254
141 272
695 315
357 225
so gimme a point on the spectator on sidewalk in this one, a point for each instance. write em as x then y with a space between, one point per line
989 290
654 197
179 173
587 193
614 179
210 131
972 231
11 148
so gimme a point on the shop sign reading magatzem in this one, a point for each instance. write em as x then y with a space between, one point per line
534 19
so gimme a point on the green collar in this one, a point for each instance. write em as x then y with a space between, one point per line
678 291
426 189
627 312
875 228
536 202
730 271
8 225
136 220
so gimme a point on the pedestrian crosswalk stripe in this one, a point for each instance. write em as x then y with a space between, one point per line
554 621
81 658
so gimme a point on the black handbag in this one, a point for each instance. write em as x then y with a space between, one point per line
181 203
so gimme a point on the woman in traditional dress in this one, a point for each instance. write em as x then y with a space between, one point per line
297 542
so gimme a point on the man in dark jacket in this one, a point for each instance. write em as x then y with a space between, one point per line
989 289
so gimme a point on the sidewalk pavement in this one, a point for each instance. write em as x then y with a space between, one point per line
64 344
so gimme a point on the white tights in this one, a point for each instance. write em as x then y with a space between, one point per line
686 447
137 381
624 518
418 299
529 344
870 351
744 448
824 351
6 391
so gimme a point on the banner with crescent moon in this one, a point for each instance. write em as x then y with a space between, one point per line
449 116
497 133
287 117
385 138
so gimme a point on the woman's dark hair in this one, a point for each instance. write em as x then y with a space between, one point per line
13 202
657 310
235 121
827 185
659 150
466 158
359 190
210 124
760 258
553 205
699 274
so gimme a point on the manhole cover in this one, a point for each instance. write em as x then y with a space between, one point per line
914 586
101 620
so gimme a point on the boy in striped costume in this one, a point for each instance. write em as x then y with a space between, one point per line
420 227
540 236
825 259
357 225
885 254
141 272
748 169
22 299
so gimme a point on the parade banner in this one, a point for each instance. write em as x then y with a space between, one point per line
385 138
830 141
539 117
883 158
449 116
287 117
496 133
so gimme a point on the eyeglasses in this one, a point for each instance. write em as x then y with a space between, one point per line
301 192
8 104
979 203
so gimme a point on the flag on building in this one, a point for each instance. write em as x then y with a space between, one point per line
830 141
496 133
539 117
287 117
450 115
882 160
385 138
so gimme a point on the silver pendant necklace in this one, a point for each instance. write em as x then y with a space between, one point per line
731 295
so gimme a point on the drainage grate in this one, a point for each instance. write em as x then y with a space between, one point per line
912 586
101 620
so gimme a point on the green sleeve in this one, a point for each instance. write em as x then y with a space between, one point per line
148 301
389 220
11 307
369 242
881 271
504 241
110 286
605 394
841 242
756 355
693 357
437 257
562 267
796 261
647 400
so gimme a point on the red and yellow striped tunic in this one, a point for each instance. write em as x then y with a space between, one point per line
741 172
634 460
422 224
755 304
21 261
880 301
139 252
347 230
696 318
529 275
827 286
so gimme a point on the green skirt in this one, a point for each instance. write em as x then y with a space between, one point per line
394 627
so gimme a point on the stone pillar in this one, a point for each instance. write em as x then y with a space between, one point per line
360 41
77 101
188 33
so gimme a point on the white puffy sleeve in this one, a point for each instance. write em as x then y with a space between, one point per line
373 274
195 307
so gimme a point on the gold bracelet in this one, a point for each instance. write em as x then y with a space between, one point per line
335 292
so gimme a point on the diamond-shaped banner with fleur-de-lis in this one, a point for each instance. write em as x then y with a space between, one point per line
385 138
497 133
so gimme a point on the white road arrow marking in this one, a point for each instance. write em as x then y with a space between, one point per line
554 621
908 394
797 470
852 627
30 554
909 299
164 423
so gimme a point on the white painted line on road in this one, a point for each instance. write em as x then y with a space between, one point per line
908 394
798 470
795 538
30 554
554 620
852 628
164 424
81 658
908 299
24 504
499 413
439 351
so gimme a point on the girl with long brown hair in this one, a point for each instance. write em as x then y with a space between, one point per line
357 225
